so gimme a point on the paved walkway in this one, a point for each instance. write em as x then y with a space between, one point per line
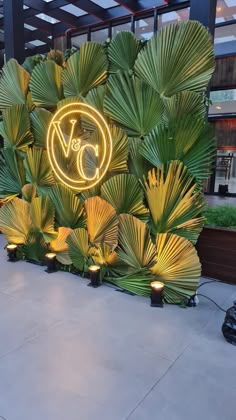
69 352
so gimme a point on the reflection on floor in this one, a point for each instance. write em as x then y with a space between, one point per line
69 352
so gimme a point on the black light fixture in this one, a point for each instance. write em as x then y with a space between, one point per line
94 273
157 288
229 325
11 252
51 262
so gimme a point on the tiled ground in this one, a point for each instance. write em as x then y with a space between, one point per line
69 352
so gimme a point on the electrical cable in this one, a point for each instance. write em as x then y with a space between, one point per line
218 306
206 297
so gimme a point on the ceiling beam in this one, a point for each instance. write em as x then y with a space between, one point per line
135 6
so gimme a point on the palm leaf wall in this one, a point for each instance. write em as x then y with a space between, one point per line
141 220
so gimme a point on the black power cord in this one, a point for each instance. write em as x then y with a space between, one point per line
218 306
192 302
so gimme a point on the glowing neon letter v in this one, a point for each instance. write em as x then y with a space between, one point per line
65 146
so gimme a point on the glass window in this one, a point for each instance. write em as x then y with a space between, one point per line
76 41
223 102
173 17
144 28
99 36
225 10
225 34
118 28
225 169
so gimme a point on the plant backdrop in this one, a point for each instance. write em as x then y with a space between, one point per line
142 221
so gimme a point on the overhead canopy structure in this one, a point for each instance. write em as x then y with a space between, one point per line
46 19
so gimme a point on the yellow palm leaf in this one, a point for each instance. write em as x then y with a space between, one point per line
42 215
60 247
78 246
102 221
177 265
15 221
173 201
136 248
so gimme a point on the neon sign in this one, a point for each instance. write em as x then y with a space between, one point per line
79 145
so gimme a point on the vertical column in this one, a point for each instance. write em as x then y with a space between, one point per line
14 29
205 12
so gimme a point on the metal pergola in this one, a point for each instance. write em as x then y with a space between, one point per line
29 27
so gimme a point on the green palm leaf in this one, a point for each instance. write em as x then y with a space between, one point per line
38 170
12 174
120 150
35 246
78 248
138 165
189 140
179 57
177 265
85 70
14 83
174 203
40 119
123 51
68 207
184 103
125 194
15 222
42 215
136 249
139 283
60 247
15 128
95 98
102 221
132 104
45 85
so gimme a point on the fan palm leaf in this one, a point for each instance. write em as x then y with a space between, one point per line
12 174
85 69
15 222
40 119
120 150
123 51
102 221
125 194
35 247
174 203
60 247
29 192
178 57
139 284
138 165
68 207
14 84
136 249
132 104
38 170
183 104
15 128
95 97
42 215
78 248
45 84
177 265
190 140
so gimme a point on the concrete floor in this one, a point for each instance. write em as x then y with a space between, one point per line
69 352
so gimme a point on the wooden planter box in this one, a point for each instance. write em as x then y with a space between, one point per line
217 251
